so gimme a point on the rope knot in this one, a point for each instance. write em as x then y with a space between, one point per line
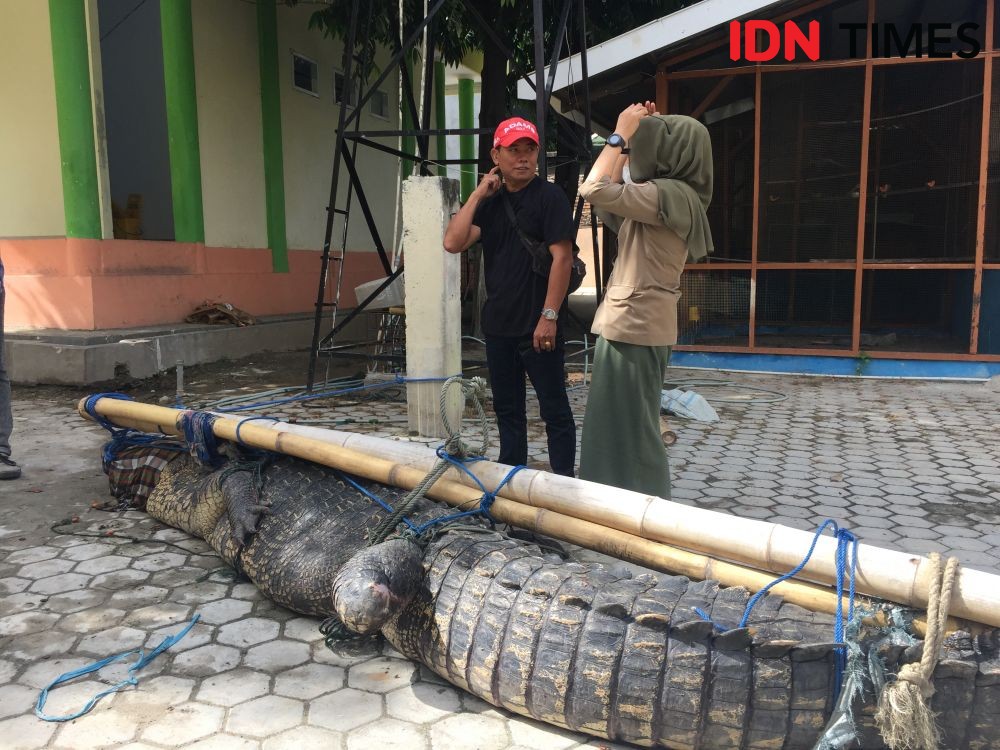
913 674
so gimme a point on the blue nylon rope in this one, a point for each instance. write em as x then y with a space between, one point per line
310 396
141 662
845 540
485 504
121 437
249 419
372 496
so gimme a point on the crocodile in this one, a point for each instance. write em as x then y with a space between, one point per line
653 660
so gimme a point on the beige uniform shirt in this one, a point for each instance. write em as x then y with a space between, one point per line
640 303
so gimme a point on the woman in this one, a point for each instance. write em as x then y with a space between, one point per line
662 206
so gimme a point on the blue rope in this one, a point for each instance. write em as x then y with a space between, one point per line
122 437
485 503
372 496
250 419
794 571
141 662
845 540
310 396
199 437
705 616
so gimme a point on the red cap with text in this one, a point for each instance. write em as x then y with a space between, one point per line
514 129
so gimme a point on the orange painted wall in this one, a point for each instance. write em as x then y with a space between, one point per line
74 284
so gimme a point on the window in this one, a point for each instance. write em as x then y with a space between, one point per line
304 74
380 104
338 89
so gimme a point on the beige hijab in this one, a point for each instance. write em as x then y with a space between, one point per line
675 153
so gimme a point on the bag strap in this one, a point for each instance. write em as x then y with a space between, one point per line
525 240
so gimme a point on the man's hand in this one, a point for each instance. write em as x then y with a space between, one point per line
490 183
544 339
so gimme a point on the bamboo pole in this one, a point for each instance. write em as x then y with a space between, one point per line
618 544
606 513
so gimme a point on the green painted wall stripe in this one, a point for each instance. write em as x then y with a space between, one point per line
75 117
182 120
270 116
440 114
467 143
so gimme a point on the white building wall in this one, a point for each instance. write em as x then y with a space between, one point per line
31 199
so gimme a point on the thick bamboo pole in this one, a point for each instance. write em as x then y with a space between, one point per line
889 575
885 574
618 544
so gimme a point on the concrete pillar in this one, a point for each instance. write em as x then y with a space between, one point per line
433 306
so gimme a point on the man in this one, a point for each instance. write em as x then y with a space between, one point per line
8 469
521 317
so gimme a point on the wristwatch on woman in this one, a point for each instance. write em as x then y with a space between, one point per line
616 141
549 314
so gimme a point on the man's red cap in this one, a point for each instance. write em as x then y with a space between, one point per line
514 129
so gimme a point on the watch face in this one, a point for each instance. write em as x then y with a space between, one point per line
616 141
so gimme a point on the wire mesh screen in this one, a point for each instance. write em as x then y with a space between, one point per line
923 162
804 309
725 106
810 164
992 249
989 315
916 310
714 308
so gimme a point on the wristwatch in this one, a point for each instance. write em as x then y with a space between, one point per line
549 314
616 141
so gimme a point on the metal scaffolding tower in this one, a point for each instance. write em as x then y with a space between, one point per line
349 136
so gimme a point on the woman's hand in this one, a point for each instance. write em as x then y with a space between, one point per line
628 120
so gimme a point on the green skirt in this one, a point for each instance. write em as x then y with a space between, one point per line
621 443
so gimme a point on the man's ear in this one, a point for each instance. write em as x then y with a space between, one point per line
495 155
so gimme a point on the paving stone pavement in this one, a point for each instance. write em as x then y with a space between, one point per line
907 465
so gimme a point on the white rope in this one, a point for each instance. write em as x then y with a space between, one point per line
903 716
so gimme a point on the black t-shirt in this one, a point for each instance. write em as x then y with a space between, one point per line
515 294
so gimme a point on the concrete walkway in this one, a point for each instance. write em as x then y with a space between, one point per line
907 465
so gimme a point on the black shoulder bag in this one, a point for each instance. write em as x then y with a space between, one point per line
541 256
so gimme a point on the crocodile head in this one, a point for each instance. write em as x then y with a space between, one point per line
377 583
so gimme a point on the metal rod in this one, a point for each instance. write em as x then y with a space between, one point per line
984 147
541 102
362 305
365 209
352 28
866 116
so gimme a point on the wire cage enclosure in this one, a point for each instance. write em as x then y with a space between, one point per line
856 197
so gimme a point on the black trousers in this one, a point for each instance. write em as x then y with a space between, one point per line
509 360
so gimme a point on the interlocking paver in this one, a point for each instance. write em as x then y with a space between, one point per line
381 675
223 611
304 737
422 702
344 710
248 632
277 655
233 687
912 469
309 681
186 723
389 734
26 732
490 733
265 716
113 728
206 660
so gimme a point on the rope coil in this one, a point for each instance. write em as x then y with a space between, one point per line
904 717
